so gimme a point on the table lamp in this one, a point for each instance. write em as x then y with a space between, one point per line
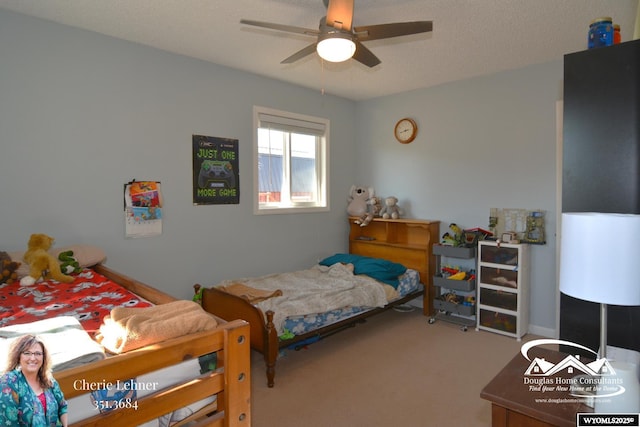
599 260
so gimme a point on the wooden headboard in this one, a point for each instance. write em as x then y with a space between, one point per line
406 241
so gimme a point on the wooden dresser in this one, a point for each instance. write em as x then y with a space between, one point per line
513 404
405 241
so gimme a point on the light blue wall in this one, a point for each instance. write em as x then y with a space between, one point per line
81 114
483 142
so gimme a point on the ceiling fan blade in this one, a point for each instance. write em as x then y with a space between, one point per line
280 27
365 56
385 31
300 54
340 14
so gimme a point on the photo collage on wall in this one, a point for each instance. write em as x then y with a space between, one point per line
143 208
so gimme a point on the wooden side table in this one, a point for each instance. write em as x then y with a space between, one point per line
514 404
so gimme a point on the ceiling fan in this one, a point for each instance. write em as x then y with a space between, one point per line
338 40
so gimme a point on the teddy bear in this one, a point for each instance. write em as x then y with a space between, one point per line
362 204
375 206
8 268
68 263
41 263
391 208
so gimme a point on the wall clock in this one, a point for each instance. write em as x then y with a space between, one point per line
406 130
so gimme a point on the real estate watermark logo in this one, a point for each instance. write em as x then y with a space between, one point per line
570 375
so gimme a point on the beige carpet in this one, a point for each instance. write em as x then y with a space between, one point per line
394 370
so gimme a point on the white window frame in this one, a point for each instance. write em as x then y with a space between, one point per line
288 120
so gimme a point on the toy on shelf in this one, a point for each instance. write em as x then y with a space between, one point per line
454 237
456 273
473 235
470 301
363 204
391 208
464 237
453 298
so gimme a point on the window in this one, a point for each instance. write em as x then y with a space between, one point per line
290 161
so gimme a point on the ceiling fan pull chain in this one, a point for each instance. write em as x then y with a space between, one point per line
322 76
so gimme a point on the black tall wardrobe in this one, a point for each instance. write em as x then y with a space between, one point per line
601 169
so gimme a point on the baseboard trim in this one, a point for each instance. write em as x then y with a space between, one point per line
543 332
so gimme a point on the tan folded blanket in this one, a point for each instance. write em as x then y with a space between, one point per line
127 329
248 293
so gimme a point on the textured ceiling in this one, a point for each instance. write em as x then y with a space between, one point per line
470 37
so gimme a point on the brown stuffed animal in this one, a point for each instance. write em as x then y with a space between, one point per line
8 268
41 263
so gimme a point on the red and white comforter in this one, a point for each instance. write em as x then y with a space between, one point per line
89 298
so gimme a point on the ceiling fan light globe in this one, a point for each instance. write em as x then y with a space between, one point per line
337 48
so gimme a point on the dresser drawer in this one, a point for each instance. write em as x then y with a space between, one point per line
499 299
499 255
499 277
498 321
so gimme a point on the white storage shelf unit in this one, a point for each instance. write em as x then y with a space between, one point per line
503 288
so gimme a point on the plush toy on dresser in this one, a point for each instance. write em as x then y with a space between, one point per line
363 204
41 263
391 208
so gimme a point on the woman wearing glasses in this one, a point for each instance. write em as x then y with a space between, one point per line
29 395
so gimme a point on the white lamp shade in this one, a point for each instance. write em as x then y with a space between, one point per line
336 48
600 257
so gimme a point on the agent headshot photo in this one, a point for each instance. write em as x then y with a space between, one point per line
29 395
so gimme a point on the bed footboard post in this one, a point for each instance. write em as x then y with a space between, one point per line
271 350
237 395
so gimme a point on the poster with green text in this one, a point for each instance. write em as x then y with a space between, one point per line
215 171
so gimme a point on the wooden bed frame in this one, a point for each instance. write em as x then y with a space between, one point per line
231 381
264 337
401 240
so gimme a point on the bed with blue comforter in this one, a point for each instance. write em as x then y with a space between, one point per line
294 308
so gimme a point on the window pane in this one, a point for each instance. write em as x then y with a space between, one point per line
270 166
303 168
